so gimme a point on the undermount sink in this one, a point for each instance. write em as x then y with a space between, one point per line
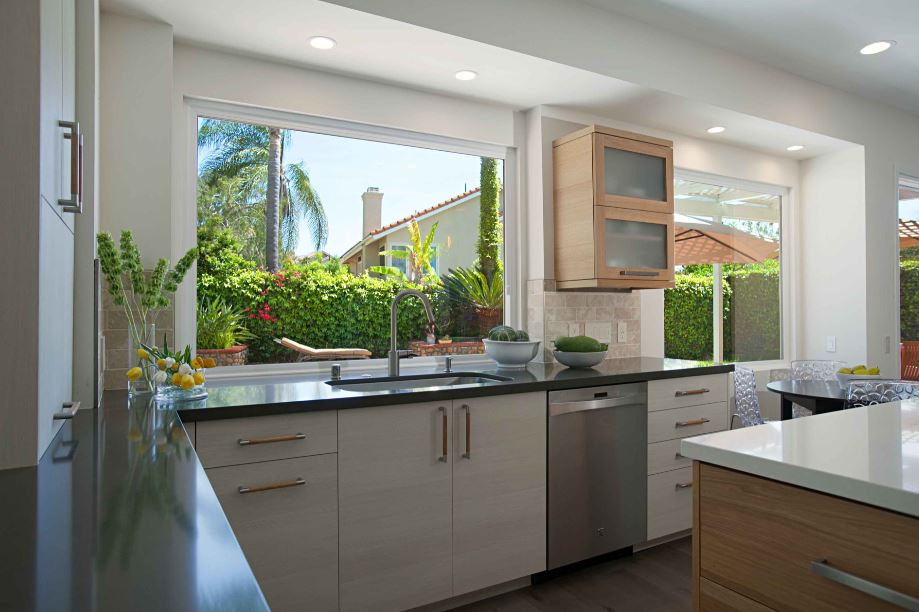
418 381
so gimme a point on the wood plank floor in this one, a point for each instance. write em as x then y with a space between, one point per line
656 579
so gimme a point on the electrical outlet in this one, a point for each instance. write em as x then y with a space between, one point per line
831 344
621 335
887 345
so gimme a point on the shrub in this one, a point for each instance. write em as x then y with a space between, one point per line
909 300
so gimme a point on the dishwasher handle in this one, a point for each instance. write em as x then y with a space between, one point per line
596 404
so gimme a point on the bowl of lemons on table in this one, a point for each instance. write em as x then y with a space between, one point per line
858 372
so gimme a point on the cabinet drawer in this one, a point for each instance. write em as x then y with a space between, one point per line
689 391
760 539
665 456
265 438
716 598
669 502
289 535
685 422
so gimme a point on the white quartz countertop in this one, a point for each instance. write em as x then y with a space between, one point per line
868 454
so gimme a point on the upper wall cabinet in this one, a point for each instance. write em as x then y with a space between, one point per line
613 210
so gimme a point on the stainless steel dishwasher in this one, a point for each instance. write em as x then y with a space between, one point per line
598 476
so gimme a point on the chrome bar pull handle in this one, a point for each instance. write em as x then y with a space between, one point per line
683 485
692 422
271 487
702 391
270 440
468 453
75 203
824 569
443 427
68 411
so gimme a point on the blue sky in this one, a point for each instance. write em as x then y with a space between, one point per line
342 168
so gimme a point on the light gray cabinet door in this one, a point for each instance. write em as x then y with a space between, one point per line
499 489
395 506
288 533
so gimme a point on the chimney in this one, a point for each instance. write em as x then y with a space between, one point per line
373 209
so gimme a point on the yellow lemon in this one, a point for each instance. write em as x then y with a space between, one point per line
199 378
161 363
143 354
134 373
209 362
188 382
177 379
175 367
845 370
874 371
197 362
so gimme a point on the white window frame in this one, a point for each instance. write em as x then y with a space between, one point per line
909 176
787 284
184 221
393 261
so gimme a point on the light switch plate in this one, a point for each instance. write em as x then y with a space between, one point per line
621 335
831 344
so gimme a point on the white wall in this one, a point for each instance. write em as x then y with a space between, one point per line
832 252
135 132
581 35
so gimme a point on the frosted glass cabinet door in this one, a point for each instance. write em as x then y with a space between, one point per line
633 174
633 245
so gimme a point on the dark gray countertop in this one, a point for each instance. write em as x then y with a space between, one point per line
119 515
283 394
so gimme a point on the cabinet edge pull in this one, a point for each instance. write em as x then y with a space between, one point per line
468 453
271 487
701 391
638 273
443 425
68 411
683 485
270 439
823 568
691 422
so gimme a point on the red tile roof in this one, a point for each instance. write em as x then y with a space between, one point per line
421 213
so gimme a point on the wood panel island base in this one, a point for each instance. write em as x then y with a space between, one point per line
760 544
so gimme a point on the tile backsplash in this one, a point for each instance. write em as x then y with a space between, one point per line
551 314
115 331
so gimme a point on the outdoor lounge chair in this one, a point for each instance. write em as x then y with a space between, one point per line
308 353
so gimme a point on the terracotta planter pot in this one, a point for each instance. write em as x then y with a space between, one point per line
488 318
233 356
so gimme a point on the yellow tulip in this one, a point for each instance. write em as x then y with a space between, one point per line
177 379
161 363
197 363
199 378
134 374
175 367
209 362
188 382
143 354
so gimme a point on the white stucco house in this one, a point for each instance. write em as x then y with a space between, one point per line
455 239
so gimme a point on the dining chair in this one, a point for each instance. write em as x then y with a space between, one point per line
869 392
815 369
788 374
746 402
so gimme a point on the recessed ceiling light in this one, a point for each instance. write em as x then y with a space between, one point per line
322 42
877 47
715 129
466 75
794 148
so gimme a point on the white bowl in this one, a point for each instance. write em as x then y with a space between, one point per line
511 355
845 379
580 360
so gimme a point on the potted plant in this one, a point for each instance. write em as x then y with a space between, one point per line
470 288
142 295
222 333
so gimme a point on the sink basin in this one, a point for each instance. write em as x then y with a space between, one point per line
417 381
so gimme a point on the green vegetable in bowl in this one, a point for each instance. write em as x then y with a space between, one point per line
522 336
579 344
502 333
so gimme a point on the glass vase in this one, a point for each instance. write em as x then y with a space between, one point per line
144 384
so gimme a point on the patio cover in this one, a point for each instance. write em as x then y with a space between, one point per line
703 242
909 233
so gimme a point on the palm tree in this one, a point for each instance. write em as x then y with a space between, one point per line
419 256
255 153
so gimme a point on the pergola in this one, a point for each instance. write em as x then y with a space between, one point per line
909 233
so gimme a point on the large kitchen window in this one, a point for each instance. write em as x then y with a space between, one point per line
727 303
308 236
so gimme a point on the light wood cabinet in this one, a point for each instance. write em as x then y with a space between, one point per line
285 516
613 201
757 540
440 499
499 489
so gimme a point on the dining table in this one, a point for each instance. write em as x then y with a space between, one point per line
818 396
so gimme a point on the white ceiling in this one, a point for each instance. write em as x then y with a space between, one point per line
394 52
816 39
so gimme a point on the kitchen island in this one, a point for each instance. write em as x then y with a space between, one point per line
818 513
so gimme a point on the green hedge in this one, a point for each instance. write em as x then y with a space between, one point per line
909 300
752 315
